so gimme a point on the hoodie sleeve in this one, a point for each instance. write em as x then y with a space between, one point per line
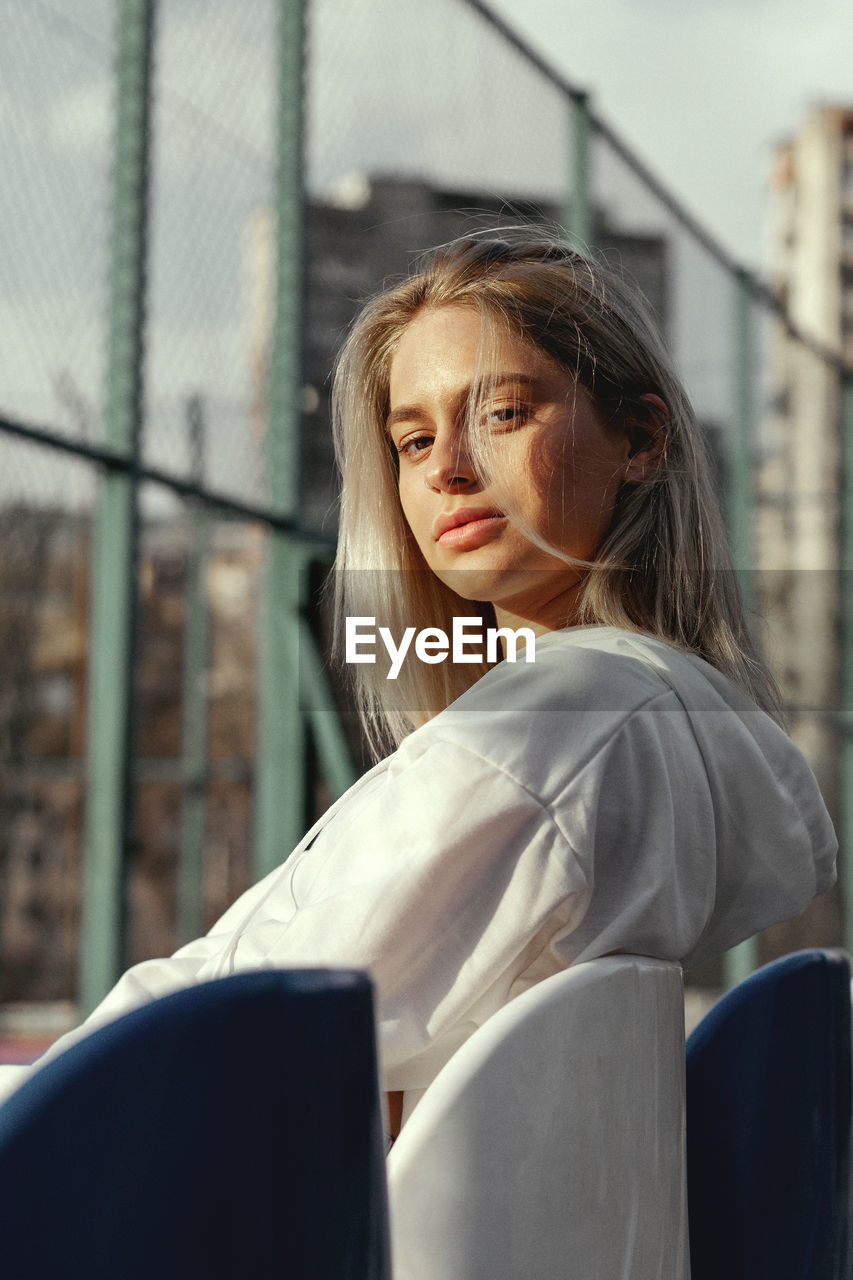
445 879
446 882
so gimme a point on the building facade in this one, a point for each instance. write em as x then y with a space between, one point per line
799 484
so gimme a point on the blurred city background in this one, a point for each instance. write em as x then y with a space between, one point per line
196 198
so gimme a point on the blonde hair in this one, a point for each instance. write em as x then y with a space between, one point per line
664 565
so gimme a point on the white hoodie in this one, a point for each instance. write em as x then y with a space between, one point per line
617 795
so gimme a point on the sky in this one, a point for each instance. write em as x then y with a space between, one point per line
701 91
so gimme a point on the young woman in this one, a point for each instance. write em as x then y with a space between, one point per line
517 451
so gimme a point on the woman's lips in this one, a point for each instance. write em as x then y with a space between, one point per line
472 529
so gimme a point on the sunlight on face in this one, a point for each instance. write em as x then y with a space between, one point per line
555 467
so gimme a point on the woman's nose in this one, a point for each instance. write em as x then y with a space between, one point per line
449 467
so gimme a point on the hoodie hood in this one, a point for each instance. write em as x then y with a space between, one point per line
694 818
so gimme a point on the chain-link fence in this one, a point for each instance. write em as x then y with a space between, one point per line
152 390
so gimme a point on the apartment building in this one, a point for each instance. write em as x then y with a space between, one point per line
799 480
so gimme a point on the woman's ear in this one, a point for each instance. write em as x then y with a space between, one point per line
647 433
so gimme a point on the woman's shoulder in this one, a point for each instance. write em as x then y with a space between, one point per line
596 669
565 705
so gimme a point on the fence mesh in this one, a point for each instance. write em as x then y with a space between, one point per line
44 559
212 175
389 82
56 103
195 695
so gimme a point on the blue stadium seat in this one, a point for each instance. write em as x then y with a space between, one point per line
768 1125
229 1130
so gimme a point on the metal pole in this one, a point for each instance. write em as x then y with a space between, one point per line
319 704
115 534
578 206
846 603
740 486
280 773
194 738
740 961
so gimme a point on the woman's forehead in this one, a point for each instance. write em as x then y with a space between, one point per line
458 343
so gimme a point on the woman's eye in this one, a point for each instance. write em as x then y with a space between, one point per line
413 446
505 414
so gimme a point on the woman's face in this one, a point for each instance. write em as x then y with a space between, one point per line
557 466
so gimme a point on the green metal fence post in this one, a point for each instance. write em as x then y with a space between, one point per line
846 599
578 206
741 960
280 773
110 674
318 702
194 700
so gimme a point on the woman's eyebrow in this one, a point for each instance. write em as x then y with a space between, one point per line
405 413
